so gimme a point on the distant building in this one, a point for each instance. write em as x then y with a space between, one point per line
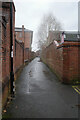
62 36
38 53
24 35
70 36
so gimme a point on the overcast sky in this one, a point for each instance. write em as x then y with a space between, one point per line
29 13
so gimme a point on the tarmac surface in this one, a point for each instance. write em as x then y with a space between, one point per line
39 94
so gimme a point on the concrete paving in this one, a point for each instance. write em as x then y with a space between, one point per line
39 94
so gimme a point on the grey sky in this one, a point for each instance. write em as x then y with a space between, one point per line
29 13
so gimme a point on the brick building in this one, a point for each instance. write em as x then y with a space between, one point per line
25 36
58 35
69 36
15 49
7 34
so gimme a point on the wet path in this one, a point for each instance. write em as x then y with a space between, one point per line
39 94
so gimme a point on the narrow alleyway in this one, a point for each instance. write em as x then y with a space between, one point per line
39 94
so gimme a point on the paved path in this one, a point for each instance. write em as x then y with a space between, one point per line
39 94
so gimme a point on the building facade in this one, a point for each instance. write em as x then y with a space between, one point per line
62 36
25 36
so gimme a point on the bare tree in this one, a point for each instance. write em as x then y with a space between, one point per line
48 23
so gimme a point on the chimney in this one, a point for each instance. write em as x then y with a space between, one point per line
23 33
62 39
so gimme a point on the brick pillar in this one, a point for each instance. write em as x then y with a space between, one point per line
71 66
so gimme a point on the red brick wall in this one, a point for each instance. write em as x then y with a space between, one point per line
5 37
6 42
71 71
0 57
26 54
19 55
63 60
53 58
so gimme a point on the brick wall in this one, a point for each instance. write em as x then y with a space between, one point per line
26 54
0 64
19 55
53 58
5 42
71 70
24 35
5 48
63 60
32 55
5 52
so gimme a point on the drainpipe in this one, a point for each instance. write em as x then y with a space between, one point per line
23 40
11 51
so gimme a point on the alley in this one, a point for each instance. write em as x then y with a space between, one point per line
39 94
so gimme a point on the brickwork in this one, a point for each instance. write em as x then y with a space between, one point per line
71 71
5 48
19 53
25 36
53 58
63 60
0 63
26 54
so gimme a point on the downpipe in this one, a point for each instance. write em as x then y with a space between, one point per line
12 83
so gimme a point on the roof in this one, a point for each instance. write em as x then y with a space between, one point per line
71 32
66 31
69 35
17 29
